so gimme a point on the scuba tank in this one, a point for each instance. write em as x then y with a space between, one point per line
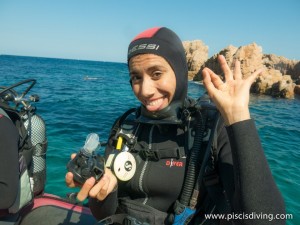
32 130
36 129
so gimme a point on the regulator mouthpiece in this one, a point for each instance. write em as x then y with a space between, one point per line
87 163
91 144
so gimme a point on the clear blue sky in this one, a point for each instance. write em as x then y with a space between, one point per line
101 29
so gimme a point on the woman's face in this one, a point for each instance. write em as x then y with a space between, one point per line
153 81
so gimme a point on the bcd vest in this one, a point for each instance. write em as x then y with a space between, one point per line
127 128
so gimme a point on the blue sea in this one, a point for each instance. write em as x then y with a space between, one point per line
73 107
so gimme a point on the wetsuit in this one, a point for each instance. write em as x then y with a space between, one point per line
9 162
242 167
241 164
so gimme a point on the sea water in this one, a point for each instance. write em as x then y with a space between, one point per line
80 97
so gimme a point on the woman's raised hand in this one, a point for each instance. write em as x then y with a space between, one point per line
232 96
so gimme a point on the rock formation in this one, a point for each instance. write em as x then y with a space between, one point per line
297 89
196 55
280 78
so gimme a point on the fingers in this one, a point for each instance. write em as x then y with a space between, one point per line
104 191
237 73
69 180
254 75
225 68
237 70
98 187
84 191
104 187
207 82
90 188
69 176
211 81
73 155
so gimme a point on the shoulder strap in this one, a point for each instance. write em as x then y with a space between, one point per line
126 114
115 130
121 119
211 177
206 117
213 119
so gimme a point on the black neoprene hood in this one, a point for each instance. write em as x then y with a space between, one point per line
164 42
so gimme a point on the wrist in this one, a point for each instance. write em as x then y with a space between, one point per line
236 116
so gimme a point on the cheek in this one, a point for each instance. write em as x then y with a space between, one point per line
135 89
170 87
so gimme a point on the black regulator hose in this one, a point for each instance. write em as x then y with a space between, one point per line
194 162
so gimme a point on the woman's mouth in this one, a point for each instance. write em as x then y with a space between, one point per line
154 105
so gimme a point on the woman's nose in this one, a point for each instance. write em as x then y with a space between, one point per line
148 87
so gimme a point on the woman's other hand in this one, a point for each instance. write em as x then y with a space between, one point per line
91 188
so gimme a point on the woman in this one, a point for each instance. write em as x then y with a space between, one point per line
158 76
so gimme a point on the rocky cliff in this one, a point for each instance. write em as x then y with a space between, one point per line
280 78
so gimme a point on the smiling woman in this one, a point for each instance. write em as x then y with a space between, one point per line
170 135
170 57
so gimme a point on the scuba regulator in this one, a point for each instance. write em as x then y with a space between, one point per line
87 163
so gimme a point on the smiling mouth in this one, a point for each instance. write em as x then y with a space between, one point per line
154 105
154 102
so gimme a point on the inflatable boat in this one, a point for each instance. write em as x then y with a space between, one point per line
48 209
52 210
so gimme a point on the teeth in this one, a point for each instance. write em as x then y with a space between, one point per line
155 102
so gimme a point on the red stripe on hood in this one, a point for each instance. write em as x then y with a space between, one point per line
147 34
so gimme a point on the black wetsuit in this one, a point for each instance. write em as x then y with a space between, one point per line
242 167
9 162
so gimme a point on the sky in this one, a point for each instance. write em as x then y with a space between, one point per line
102 29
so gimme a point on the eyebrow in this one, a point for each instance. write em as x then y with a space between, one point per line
151 68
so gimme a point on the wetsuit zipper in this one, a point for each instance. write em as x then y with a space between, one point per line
144 168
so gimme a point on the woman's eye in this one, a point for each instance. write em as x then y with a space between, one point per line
134 78
156 74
